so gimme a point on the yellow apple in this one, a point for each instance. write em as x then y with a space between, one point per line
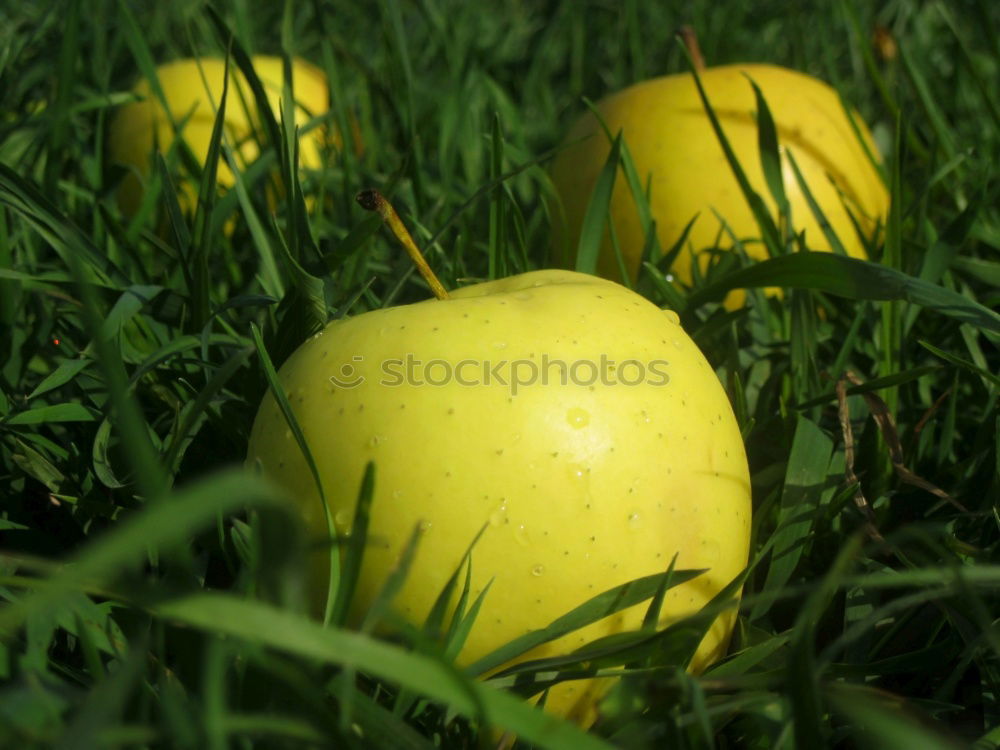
566 414
192 89
668 132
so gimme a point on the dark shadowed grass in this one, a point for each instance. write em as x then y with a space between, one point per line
153 593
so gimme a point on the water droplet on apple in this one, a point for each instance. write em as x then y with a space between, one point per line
499 345
521 536
425 525
577 471
578 418
538 570
634 520
678 344
376 440
672 316
498 516
522 296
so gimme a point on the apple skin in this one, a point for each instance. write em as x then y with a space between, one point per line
580 488
672 142
193 89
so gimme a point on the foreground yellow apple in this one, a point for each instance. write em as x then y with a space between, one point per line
567 415
192 89
673 144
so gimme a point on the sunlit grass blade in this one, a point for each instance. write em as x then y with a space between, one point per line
604 604
673 646
854 279
992 377
433 626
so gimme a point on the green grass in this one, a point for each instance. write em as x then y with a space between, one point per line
152 590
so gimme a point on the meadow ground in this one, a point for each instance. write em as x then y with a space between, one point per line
150 587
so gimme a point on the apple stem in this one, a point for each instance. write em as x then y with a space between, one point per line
373 200
690 38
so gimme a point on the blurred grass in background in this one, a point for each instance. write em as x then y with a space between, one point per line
124 375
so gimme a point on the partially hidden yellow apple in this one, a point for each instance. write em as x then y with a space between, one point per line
675 148
567 415
192 89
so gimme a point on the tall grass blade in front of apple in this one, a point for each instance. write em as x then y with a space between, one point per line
824 224
433 627
354 549
270 277
652 252
381 603
598 607
674 647
598 215
765 222
770 162
263 624
278 394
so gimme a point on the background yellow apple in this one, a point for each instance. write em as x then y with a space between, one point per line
673 144
193 88
582 485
